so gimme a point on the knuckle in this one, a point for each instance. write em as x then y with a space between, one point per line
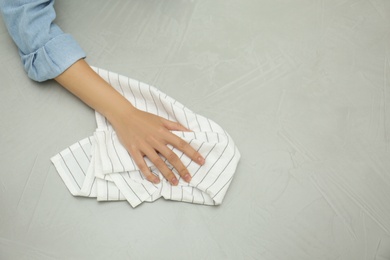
150 139
135 145
182 144
144 169
161 129
171 157
169 175
132 148
157 162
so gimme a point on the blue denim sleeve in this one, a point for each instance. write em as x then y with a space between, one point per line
46 51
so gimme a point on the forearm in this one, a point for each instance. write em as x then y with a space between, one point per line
88 86
141 133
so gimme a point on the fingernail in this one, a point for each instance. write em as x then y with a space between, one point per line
156 180
187 177
174 181
200 160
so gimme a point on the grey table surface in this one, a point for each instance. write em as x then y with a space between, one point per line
302 86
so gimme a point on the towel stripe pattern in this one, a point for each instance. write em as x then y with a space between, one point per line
99 166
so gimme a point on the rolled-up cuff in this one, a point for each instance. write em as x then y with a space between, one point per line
53 58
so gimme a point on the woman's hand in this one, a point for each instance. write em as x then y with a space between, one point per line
143 134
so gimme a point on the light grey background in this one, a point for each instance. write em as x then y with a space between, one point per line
302 86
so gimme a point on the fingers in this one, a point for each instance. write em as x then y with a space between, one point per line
180 144
151 151
139 160
150 139
172 158
160 164
175 161
186 148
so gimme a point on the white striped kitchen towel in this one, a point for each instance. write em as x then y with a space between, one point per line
99 166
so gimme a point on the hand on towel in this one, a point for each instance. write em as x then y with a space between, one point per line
100 166
142 134
145 134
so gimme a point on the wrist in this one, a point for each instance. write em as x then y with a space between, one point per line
116 110
87 85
